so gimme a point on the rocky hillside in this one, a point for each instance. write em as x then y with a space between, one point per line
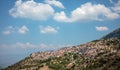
103 54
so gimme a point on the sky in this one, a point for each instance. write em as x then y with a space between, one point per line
28 26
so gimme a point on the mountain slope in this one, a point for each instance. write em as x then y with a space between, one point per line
103 54
115 33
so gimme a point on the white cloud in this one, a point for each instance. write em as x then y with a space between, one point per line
32 10
53 46
47 29
42 45
116 7
23 30
39 47
101 28
19 45
61 17
8 30
24 45
87 11
55 3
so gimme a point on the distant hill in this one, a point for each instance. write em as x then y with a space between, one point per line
103 54
0 68
115 33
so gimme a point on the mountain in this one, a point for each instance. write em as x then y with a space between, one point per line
103 54
0 68
115 33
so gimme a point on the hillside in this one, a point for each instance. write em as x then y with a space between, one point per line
115 33
103 54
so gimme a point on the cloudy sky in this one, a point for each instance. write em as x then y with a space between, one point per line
28 26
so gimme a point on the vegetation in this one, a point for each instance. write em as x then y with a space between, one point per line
103 54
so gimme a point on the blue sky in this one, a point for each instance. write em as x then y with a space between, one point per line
28 26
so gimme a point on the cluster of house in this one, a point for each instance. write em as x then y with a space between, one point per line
90 49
